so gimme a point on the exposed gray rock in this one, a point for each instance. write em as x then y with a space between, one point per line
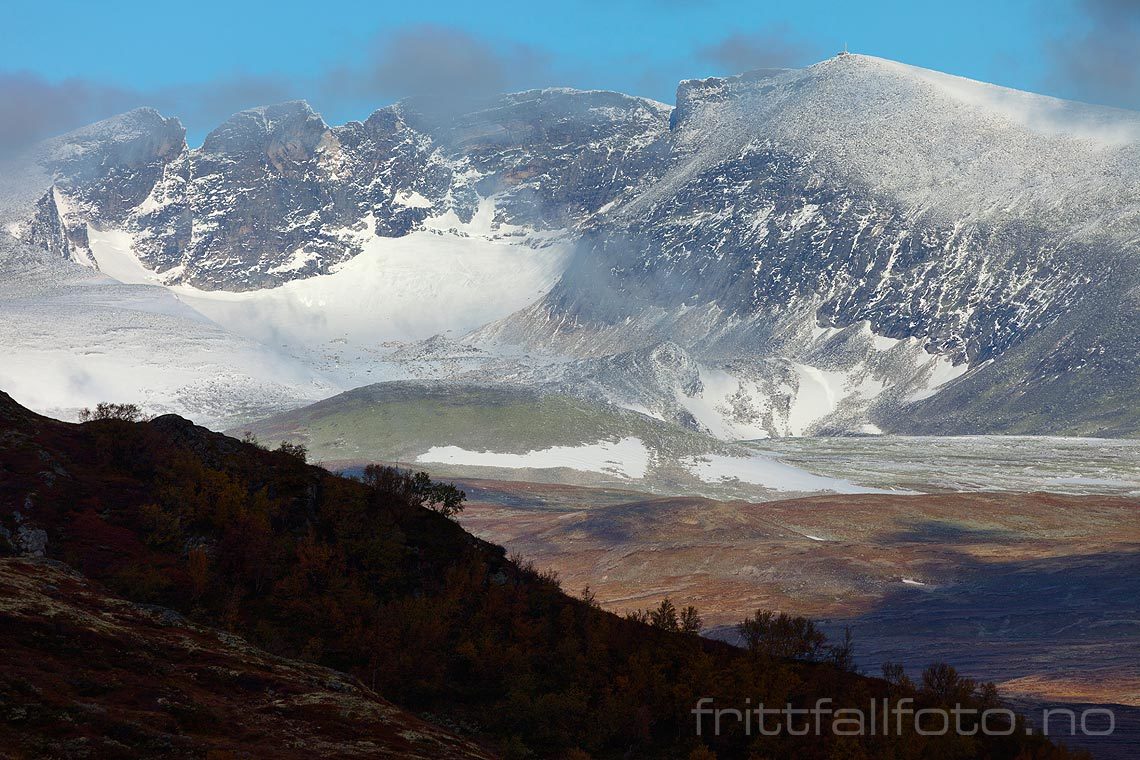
30 541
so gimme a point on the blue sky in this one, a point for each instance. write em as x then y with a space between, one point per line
77 60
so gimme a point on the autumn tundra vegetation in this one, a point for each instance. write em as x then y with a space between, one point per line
370 577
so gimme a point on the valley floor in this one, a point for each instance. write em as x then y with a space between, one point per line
1037 592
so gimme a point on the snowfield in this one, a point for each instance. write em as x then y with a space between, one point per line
407 288
626 458
769 473
72 338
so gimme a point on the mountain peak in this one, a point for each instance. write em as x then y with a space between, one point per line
141 129
130 140
124 125
261 128
1043 114
288 109
897 128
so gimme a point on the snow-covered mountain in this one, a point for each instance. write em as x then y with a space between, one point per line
274 194
852 247
979 222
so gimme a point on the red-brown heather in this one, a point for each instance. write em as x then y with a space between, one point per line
319 571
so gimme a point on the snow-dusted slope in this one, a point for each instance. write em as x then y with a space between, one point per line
929 140
970 220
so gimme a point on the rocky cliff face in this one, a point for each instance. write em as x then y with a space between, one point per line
101 174
275 194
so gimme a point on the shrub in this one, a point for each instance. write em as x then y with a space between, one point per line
108 411
295 450
783 636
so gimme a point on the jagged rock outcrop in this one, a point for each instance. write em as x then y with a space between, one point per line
275 194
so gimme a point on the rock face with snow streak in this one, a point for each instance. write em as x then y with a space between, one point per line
100 173
785 252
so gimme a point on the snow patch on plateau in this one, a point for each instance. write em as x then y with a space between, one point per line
766 472
627 458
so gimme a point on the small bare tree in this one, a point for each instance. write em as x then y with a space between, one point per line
108 411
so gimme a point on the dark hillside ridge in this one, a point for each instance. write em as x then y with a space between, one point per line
313 567
88 674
